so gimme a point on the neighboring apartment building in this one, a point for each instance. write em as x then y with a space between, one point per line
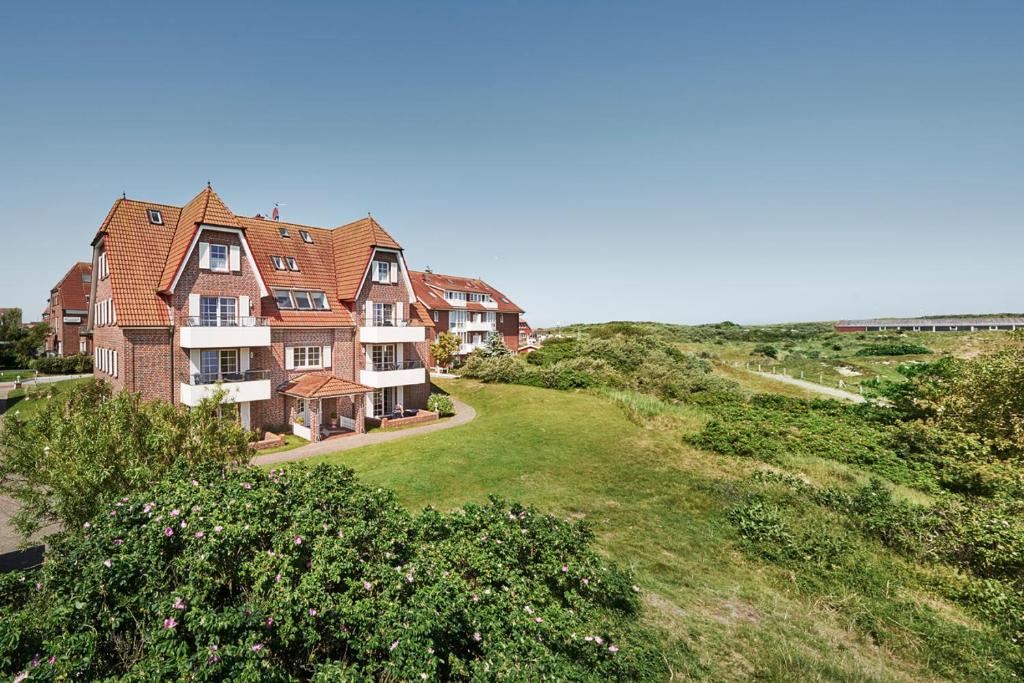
468 307
68 313
295 322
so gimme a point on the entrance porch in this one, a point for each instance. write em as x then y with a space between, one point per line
320 405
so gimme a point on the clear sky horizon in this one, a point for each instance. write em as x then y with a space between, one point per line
681 162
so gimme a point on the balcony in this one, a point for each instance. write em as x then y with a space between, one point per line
377 330
393 374
214 333
478 326
467 348
238 387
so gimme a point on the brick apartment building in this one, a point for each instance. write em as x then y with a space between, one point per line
294 322
467 307
67 313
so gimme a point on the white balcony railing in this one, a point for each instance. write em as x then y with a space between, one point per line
479 326
381 330
393 374
209 333
238 387
469 347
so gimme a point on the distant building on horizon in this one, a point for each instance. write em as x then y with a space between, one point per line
67 312
942 324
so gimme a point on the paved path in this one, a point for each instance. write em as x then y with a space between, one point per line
463 414
812 386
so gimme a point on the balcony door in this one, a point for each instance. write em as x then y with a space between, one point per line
383 314
383 356
218 311
218 364
384 401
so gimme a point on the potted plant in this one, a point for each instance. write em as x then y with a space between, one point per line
334 419
298 420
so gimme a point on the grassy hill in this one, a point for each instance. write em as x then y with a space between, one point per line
840 607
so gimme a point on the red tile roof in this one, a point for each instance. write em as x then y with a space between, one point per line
429 289
353 247
144 258
321 385
74 290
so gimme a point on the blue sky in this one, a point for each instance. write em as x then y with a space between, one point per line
684 162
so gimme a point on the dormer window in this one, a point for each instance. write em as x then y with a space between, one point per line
292 263
218 257
302 301
284 232
284 299
306 237
319 301
155 217
278 262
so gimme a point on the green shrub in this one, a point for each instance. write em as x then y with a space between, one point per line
442 404
766 350
241 574
64 365
61 462
893 349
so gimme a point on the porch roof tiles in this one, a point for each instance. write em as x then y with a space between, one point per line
321 385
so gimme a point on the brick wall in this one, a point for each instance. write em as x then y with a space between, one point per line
509 330
108 337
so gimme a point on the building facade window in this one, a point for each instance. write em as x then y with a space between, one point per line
383 314
383 271
278 262
218 257
307 357
306 237
292 263
382 356
384 401
217 311
437 317
217 364
284 299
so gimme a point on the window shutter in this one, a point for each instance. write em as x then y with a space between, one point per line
399 353
115 363
325 356
193 305
236 258
243 308
369 313
204 255
289 358
113 313
394 273
193 361
398 312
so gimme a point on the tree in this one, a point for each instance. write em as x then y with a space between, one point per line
494 347
19 344
445 348
221 573
61 463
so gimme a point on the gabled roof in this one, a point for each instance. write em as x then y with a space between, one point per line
145 258
353 246
316 269
74 290
206 208
137 251
430 287
321 385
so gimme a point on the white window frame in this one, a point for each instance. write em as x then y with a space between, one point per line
219 269
301 355
155 217
378 275
293 265
297 296
291 299
278 263
437 317
283 232
319 297
306 237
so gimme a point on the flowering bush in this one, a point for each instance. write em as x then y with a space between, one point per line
234 573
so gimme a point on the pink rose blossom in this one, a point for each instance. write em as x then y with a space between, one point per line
168 531
178 604
218 528
247 486
86 525
613 648
477 637
184 524
118 541
199 534
312 612
257 647
393 646
270 621
170 623
52 659
107 563
298 540
565 568
367 585
175 512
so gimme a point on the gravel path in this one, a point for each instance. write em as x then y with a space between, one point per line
817 388
463 414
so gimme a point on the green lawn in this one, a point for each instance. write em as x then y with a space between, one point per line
11 375
29 401
661 507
